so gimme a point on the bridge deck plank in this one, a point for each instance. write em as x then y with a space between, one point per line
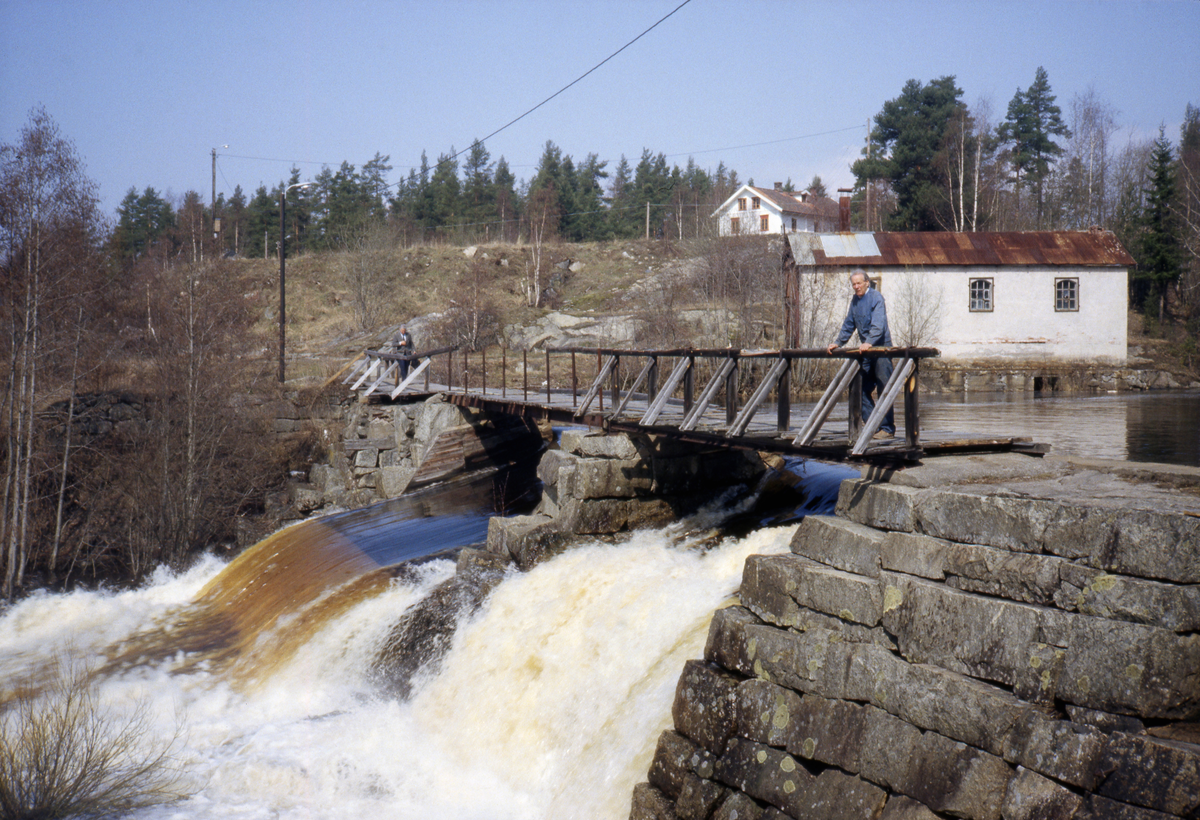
762 430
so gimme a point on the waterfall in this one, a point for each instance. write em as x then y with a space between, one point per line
547 704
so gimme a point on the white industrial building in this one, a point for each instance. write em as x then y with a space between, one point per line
1017 298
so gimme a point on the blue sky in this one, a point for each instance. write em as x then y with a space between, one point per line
775 89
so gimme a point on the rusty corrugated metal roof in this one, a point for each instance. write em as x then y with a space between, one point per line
1074 248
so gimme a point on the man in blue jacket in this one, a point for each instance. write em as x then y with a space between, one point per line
868 316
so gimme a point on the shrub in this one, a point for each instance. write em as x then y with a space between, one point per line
64 752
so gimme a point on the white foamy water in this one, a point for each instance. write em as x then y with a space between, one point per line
548 704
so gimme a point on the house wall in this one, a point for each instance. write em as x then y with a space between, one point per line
778 221
1023 325
751 216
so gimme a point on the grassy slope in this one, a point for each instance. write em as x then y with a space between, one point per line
424 279
323 334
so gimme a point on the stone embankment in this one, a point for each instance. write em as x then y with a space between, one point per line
599 485
989 377
384 450
593 486
980 637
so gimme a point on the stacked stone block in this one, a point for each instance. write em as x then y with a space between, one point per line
950 652
598 484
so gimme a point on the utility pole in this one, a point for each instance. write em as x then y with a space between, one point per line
870 183
216 220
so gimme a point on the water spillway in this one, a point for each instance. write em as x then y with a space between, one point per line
548 702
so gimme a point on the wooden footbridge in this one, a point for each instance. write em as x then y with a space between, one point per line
655 391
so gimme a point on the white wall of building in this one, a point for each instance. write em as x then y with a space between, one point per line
750 220
1023 324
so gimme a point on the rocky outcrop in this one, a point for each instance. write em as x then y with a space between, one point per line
600 485
983 637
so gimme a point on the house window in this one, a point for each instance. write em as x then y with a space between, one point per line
764 223
981 294
734 224
756 203
793 223
1066 294
741 203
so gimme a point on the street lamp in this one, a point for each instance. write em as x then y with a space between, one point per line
283 271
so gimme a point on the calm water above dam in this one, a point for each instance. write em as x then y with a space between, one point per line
1156 426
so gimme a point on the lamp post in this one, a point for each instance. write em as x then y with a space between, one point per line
283 272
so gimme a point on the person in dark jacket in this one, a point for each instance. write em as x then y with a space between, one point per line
403 342
868 317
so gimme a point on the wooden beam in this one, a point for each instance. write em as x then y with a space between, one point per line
757 397
597 385
706 396
660 401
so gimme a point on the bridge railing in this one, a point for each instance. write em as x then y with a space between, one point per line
666 382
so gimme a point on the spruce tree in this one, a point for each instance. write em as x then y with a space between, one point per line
1160 254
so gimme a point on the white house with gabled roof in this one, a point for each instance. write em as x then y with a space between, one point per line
753 210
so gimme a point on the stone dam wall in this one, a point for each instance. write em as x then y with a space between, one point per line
994 637
979 637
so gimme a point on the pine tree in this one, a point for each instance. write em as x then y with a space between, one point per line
1030 125
908 134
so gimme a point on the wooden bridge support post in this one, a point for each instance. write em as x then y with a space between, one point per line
616 381
450 372
783 400
504 372
854 399
652 380
483 363
599 370
689 384
731 394
574 383
547 375
912 409
524 375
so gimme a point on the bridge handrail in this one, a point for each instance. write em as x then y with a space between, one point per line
787 353
770 369
393 356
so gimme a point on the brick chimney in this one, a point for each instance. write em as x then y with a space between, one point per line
778 186
844 209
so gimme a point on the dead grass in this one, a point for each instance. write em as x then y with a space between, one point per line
429 279
66 753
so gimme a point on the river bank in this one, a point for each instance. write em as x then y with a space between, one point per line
985 637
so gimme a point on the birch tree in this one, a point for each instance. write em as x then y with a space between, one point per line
49 227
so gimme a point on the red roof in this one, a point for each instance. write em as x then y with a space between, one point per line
1076 248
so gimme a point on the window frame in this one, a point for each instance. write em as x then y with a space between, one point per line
756 202
1073 283
764 223
741 203
987 282
735 225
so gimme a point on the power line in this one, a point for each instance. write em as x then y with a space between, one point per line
577 79
510 122
768 142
